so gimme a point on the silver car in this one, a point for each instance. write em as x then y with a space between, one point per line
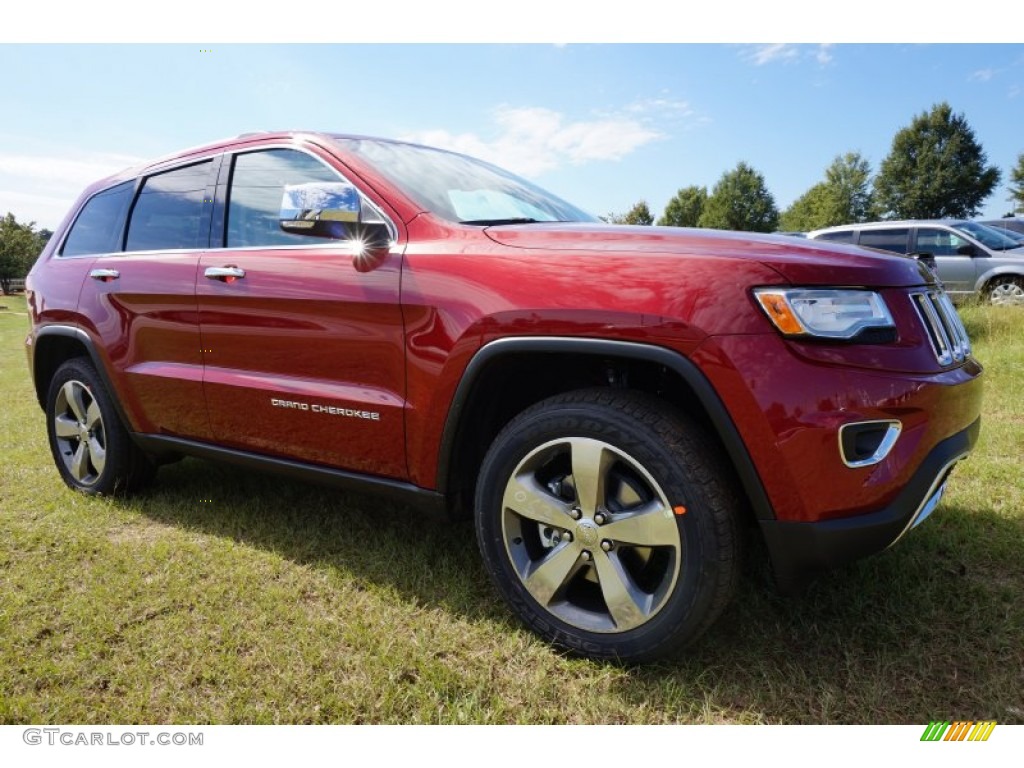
971 259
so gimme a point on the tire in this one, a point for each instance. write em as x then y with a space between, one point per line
90 446
607 523
1006 291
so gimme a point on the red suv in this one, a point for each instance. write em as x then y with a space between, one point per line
615 405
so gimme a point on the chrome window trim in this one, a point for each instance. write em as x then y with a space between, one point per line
229 154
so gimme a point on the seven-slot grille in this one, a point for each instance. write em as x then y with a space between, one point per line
945 329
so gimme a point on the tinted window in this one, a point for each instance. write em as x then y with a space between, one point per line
939 242
894 240
254 200
98 225
837 237
168 210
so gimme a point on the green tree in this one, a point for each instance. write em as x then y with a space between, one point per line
741 201
844 197
1017 185
685 208
638 214
19 246
936 169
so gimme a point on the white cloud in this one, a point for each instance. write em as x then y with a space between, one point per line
1014 92
661 105
532 140
42 187
759 55
982 75
765 54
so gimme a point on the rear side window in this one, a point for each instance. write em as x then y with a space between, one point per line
894 240
168 210
837 237
254 200
98 226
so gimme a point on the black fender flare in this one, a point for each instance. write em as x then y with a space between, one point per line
686 369
79 335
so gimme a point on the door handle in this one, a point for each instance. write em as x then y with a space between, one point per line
104 275
225 274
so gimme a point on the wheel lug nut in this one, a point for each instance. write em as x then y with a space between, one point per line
575 513
585 555
599 518
607 546
566 536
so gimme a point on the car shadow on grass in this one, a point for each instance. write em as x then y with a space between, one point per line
932 629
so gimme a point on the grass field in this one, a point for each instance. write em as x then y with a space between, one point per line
225 596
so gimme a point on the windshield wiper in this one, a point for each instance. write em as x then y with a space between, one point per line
498 222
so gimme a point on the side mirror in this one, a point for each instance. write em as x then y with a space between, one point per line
334 211
966 250
928 259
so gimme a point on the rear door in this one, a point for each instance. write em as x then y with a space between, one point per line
142 301
304 354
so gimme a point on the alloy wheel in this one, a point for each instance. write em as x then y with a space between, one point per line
80 435
591 535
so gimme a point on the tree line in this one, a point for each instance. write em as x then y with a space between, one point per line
936 169
20 244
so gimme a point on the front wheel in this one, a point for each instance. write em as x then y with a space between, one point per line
607 523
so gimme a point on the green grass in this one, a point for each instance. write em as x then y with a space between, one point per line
226 596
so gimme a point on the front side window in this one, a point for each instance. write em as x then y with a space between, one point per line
168 210
894 240
939 242
97 227
254 199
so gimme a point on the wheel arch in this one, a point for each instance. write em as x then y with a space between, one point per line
984 283
54 345
475 415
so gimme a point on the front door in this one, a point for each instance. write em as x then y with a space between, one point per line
304 355
954 257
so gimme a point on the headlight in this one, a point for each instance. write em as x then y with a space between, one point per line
824 313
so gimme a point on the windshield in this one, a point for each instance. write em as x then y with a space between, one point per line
988 236
459 188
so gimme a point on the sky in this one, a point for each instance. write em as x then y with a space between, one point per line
601 125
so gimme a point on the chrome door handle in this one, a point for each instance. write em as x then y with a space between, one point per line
227 274
105 275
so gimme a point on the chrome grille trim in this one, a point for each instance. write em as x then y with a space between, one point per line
946 331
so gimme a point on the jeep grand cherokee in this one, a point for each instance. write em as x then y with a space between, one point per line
614 405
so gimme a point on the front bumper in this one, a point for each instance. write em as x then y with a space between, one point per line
800 549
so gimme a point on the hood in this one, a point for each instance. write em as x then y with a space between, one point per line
799 261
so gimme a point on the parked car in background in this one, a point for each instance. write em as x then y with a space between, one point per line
971 259
1009 224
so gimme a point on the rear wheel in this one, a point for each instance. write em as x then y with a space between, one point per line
90 446
606 522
